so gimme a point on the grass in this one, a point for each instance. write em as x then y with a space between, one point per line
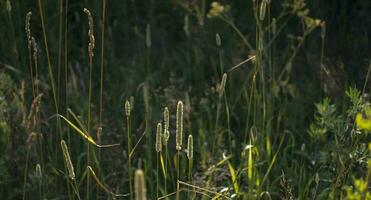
268 114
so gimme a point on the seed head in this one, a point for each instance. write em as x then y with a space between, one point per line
158 138
166 125
67 159
179 125
34 48
190 147
90 33
127 108
28 29
139 185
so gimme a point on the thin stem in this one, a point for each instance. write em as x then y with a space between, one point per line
129 155
89 124
157 178
247 43
40 186
59 47
50 68
102 64
177 176
25 174
165 177
190 163
31 72
216 127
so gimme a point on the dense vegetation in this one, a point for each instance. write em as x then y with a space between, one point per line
185 99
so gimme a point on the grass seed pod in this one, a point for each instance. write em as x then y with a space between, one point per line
91 44
34 48
158 138
28 29
166 133
190 147
127 108
179 126
67 159
139 185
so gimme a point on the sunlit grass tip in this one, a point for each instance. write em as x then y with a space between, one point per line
158 144
139 185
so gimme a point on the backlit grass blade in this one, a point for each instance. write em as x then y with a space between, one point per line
233 176
84 135
163 165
